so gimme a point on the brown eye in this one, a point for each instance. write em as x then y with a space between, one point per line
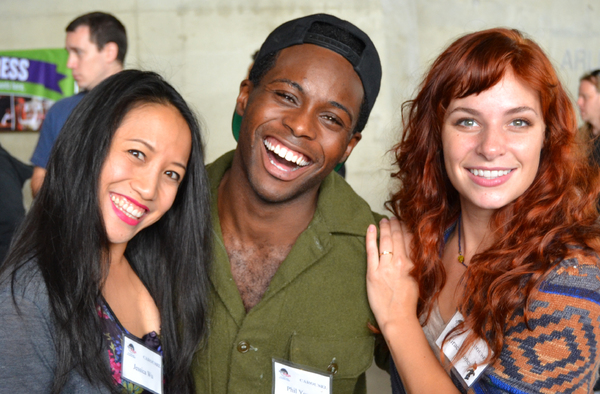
173 175
286 97
137 153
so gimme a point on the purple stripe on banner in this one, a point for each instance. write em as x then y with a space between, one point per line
45 74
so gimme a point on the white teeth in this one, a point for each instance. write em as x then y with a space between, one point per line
286 154
126 207
489 174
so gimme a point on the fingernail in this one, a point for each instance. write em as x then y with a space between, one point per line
371 228
393 218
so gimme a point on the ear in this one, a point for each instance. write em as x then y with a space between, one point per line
246 88
351 144
110 51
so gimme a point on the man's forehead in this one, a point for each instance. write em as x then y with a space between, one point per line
323 63
80 36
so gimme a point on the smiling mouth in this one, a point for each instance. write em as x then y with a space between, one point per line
281 155
489 174
127 207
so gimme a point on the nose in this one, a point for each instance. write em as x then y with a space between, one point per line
301 121
491 143
72 61
580 102
146 185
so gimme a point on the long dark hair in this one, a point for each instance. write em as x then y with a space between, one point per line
65 235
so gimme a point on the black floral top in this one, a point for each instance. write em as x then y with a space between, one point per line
113 335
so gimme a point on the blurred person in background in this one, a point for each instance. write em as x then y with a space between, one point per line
13 173
589 107
97 44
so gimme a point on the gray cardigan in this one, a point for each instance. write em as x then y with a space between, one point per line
27 349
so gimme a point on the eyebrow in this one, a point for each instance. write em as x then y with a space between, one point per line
301 90
512 111
340 106
151 149
293 84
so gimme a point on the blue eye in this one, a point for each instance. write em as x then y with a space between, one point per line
466 122
520 123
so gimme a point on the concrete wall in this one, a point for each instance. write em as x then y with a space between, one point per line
203 47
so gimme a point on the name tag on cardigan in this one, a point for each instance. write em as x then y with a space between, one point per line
470 366
291 378
141 366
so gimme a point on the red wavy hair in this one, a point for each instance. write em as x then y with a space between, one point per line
531 234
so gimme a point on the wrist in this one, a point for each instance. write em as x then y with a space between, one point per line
400 326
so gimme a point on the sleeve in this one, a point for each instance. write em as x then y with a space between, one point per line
27 351
558 352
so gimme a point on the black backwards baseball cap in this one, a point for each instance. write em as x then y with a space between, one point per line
317 29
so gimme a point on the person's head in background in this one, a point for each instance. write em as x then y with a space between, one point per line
97 44
588 101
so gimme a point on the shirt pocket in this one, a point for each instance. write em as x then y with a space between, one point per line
346 358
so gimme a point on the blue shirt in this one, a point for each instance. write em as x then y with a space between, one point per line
54 122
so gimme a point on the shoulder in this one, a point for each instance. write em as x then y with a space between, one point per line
26 332
67 103
343 209
570 292
217 168
59 112
577 276
25 289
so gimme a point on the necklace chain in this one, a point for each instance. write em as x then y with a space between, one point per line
461 258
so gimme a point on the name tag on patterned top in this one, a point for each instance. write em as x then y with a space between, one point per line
141 366
470 366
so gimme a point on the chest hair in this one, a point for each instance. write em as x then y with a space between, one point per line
253 267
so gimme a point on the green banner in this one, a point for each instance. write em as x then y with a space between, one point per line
30 82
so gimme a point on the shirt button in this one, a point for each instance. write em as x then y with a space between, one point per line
332 368
243 347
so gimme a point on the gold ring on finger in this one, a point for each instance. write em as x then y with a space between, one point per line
385 252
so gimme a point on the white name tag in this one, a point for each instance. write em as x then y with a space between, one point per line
469 367
289 378
141 365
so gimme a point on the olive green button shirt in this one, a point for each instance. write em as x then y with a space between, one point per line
314 313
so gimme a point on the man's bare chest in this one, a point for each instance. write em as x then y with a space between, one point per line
253 268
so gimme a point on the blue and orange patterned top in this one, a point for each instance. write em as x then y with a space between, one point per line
558 351
113 336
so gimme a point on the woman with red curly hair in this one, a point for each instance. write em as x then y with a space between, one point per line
494 258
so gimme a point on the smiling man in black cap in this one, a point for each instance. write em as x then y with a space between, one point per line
288 280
